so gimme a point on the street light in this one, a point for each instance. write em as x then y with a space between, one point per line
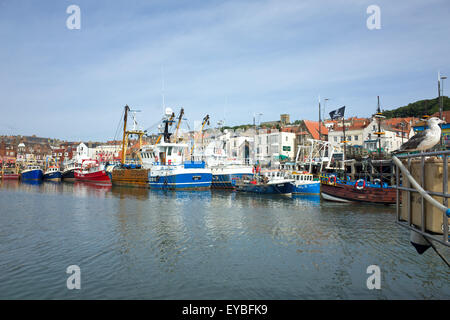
441 88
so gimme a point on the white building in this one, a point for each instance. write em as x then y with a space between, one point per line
363 133
273 145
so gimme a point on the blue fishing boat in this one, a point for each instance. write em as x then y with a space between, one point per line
225 177
32 172
168 168
52 174
304 183
170 172
264 183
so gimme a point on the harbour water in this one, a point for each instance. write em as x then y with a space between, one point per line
141 244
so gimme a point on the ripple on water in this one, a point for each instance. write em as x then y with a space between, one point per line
135 244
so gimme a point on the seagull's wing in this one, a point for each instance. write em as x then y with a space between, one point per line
414 142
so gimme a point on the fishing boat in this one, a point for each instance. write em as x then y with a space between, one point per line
92 171
10 171
171 172
68 173
225 170
52 174
304 183
333 189
225 176
32 172
129 173
269 182
169 168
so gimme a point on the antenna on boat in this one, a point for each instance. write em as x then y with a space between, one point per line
162 89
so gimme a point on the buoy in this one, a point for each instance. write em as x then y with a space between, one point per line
358 186
332 180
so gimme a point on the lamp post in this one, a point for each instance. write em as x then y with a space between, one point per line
441 88
441 105
402 124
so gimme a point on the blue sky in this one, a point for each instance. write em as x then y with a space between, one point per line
229 59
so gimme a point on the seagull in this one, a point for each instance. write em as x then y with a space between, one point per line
425 139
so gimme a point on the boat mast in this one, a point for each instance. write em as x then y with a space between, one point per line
178 124
379 116
125 136
320 131
205 120
344 142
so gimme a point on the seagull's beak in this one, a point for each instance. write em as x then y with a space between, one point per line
442 121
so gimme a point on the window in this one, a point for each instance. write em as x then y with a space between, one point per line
356 138
349 138
373 127
335 139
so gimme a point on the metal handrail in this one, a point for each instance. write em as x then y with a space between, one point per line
425 195
419 189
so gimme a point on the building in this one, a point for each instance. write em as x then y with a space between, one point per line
273 146
284 119
361 134
305 130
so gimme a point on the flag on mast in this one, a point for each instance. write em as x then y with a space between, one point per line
339 113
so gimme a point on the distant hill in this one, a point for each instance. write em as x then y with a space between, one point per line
418 109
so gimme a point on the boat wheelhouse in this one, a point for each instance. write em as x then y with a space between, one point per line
52 174
68 173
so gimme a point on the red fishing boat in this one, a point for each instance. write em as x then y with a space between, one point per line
9 170
92 171
357 191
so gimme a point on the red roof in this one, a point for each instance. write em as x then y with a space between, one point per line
313 128
445 115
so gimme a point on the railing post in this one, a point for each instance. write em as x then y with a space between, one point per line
397 182
445 200
422 200
409 196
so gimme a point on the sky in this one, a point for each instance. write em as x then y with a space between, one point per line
229 59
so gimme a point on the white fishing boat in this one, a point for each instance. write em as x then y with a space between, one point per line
169 169
225 170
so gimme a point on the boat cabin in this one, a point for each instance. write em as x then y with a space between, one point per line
163 154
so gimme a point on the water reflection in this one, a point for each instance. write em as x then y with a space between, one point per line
84 188
131 193
140 243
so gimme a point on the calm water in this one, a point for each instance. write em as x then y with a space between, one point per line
135 243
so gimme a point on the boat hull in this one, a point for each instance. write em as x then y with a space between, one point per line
98 176
130 177
68 175
284 188
349 193
182 181
307 188
36 174
52 176
10 176
228 181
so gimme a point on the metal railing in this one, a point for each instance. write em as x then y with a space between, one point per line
425 195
